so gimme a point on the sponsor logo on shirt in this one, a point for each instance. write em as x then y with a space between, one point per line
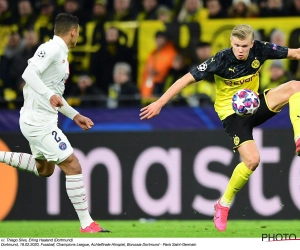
64 79
241 81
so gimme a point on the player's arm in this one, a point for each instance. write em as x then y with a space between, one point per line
84 122
293 54
176 88
31 76
154 108
67 110
41 60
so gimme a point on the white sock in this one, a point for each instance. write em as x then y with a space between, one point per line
76 192
21 161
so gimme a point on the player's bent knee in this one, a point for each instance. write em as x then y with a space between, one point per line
45 174
44 168
71 165
71 169
252 163
294 86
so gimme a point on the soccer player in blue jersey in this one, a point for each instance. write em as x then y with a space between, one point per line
233 69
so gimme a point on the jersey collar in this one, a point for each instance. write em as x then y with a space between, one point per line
61 42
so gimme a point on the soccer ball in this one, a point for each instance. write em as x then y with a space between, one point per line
245 102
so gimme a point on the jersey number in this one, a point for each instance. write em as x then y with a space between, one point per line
57 139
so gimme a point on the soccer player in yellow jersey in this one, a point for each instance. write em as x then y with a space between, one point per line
237 68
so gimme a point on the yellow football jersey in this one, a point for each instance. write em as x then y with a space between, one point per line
231 74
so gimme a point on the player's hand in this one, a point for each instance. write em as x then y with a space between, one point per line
150 111
56 101
84 122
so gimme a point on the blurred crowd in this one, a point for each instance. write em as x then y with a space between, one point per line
107 74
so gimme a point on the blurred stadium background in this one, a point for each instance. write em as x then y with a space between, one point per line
174 166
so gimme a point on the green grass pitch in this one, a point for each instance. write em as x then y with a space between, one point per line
154 229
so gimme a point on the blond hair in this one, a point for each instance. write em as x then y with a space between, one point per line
242 32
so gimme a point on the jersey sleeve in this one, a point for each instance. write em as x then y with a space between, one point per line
272 50
67 110
208 68
43 58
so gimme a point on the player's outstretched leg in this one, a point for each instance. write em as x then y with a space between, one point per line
238 179
294 103
77 194
21 161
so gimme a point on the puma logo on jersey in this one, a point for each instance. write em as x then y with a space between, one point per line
212 60
230 69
